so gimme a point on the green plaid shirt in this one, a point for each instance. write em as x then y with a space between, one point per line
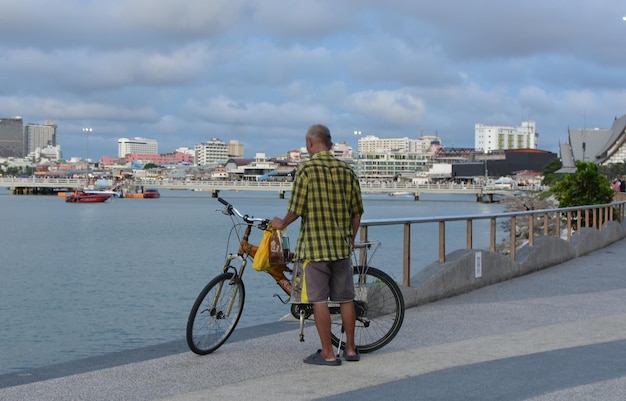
326 195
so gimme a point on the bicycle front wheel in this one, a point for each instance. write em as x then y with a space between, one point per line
215 313
379 311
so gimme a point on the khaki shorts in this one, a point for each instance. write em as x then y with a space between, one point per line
316 282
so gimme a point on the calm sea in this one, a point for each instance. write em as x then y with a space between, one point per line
79 280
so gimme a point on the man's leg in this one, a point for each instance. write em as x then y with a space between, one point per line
322 323
348 318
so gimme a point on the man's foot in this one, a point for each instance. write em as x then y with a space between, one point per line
352 357
316 358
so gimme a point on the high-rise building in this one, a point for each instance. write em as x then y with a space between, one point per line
12 137
235 149
127 146
213 151
39 136
491 137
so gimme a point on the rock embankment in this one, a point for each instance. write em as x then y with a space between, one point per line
522 232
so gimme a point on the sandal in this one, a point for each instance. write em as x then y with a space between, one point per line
316 358
352 358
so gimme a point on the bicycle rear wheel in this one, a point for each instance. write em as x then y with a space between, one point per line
215 313
379 311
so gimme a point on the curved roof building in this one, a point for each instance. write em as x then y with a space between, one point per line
599 145
614 150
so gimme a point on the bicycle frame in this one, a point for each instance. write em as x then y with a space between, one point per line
246 249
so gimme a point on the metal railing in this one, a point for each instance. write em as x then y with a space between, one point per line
591 216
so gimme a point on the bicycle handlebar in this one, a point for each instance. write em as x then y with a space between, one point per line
231 210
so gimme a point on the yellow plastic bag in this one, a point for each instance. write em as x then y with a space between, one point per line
261 260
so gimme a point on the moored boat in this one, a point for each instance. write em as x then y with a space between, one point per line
151 193
85 197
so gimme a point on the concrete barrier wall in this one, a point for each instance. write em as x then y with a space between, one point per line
469 269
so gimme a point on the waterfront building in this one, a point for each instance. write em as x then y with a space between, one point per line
127 146
214 151
235 149
188 151
390 158
47 153
39 136
374 144
488 138
12 137
598 145
614 149
343 151
161 159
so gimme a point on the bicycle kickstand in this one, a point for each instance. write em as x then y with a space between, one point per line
302 325
340 341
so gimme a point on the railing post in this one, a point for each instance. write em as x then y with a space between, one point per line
492 234
468 234
442 242
531 230
406 260
362 251
569 226
513 244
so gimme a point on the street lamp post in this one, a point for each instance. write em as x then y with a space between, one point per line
358 156
87 131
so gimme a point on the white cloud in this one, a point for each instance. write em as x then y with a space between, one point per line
392 107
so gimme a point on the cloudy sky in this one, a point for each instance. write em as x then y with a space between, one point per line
185 71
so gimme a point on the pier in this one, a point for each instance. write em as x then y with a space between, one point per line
48 185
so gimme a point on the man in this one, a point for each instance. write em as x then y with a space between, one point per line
327 196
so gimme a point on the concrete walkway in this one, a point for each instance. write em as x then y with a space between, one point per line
557 334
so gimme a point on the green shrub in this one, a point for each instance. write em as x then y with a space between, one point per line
584 187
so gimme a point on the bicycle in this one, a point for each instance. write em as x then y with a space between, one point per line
378 300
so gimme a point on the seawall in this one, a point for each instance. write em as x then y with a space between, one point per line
466 270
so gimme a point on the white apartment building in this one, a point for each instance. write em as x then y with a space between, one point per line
210 152
373 144
491 137
387 158
127 146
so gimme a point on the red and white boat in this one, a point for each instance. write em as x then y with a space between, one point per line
85 197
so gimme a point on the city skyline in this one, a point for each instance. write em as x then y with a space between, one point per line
184 72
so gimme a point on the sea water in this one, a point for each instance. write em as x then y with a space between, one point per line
80 280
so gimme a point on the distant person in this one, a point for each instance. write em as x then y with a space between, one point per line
616 185
622 185
327 196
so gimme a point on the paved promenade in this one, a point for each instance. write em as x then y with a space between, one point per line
558 334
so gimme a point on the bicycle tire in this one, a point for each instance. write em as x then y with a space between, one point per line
380 311
213 318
